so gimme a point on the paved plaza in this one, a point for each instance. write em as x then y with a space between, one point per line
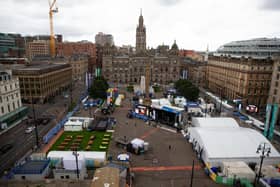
168 162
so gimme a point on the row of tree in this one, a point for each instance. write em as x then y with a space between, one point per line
184 87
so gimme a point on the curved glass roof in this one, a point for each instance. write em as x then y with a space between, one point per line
259 47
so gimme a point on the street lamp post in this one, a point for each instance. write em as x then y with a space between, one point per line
221 102
75 153
265 150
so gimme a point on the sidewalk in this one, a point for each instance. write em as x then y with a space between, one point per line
11 126
256 122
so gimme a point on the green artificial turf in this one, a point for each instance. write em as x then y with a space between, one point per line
86 138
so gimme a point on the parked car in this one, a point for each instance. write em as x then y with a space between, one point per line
5 148
29 130
252 108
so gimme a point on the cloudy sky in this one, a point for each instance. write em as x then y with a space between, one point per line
192 23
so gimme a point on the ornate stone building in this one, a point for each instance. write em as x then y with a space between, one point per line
274 92
240 78
164 63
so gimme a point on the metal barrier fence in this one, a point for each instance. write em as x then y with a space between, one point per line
60 125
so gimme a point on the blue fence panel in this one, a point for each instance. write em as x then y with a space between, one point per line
60 125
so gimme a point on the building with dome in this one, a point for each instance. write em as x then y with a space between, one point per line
162 62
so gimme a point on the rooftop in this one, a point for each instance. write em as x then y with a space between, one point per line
39 68
259 47
32 167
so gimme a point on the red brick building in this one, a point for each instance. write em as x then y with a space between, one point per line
68 49
191 54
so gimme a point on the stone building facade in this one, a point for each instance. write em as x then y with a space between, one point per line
274 92
242 78
164 64
43 81
38 48
85 48
79 66
10 98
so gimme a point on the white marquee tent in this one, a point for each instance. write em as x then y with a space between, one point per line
85 157
216 145
215 122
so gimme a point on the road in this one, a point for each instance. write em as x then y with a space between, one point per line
22 142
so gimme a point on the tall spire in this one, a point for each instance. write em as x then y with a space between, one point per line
140 34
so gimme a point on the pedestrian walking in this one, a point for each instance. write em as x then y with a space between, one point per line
135 124
126 122
169 147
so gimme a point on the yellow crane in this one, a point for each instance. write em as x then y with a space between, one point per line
53 9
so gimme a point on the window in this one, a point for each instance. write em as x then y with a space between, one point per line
9 110
275 91
0 99
278 68
2 110
277 76
276 84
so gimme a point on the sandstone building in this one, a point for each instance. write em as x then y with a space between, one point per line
163 63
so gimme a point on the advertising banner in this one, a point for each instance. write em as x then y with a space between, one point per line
273 121
267 119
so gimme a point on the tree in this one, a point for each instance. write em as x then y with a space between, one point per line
98 88
187 89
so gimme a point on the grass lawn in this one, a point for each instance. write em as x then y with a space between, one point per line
81 146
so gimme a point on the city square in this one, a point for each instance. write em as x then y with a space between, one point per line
160 93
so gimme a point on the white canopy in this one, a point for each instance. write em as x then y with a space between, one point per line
73 123
123 157
235 144
160 102
215 122
136 143
69 159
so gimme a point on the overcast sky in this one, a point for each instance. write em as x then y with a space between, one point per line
192 23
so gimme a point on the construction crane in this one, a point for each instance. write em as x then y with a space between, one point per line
53 9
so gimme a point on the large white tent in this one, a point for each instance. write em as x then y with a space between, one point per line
216 145
215 122
87 157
